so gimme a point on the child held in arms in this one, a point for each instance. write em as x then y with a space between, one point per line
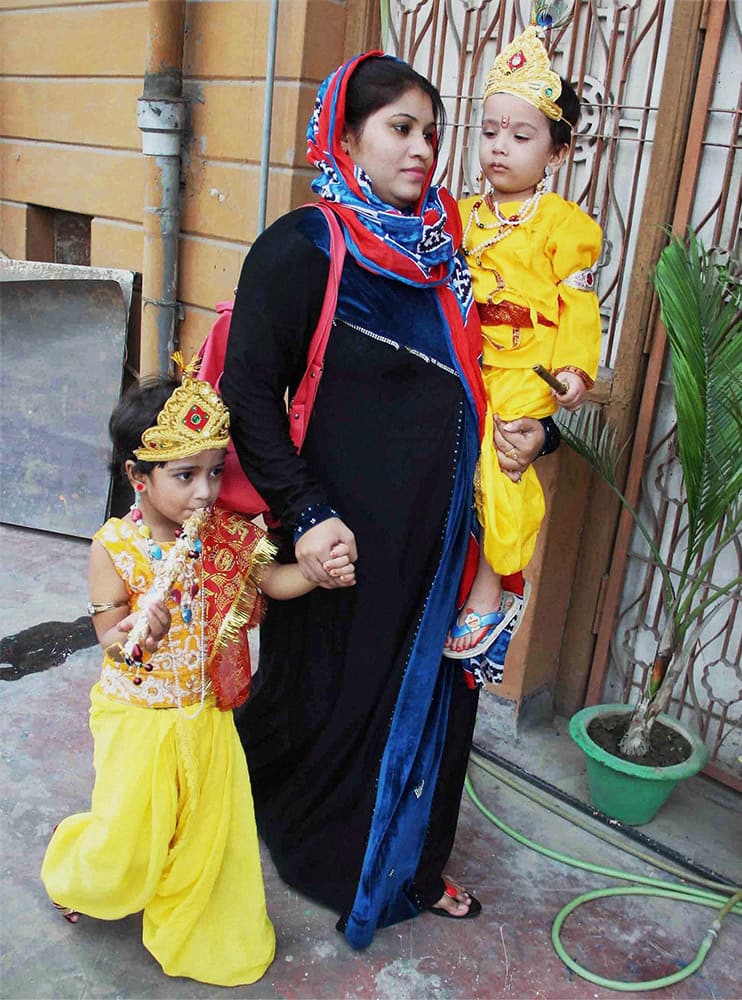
532 257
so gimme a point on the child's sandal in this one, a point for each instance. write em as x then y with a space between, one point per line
70 915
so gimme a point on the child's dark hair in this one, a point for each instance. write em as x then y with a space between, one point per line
380 80
137 410
562 131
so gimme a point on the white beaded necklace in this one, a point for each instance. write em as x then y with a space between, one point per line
503 225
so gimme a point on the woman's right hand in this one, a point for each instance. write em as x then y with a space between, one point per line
315 546
517 443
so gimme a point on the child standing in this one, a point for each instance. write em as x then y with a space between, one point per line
174 586
532 257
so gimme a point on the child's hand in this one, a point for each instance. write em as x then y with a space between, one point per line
571 399
158 622
339 565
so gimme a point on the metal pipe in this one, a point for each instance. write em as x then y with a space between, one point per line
161 118
265 152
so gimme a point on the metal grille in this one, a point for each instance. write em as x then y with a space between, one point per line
711 697
612 52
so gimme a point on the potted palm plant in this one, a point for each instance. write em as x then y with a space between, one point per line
701 303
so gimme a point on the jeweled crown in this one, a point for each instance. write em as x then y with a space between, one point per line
194 419
522 69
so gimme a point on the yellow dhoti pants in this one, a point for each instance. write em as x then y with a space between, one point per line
510 513
171 831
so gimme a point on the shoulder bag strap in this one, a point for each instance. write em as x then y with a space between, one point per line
301 405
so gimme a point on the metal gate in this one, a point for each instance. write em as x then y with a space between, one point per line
709 198
620 54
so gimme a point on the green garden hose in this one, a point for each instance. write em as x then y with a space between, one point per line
643 886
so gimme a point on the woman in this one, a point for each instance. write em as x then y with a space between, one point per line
357 734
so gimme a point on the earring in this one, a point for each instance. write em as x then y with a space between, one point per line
548 172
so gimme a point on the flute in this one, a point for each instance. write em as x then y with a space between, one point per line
559 387
187 546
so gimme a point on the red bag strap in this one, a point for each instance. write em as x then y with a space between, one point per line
306 393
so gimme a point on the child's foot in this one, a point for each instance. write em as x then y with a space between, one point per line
489 627
70 915
488 667
473 626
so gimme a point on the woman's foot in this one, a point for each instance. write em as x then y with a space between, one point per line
70 915
456 903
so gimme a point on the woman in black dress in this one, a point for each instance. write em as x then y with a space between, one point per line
358 731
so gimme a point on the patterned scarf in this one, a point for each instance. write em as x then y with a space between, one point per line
419 248
233 549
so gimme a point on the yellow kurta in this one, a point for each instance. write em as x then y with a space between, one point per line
171 830
540 273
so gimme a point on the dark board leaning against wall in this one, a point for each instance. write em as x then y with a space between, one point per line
63 338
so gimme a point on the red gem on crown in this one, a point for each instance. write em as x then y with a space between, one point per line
196 418
517 60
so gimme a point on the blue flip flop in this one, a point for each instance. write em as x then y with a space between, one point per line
494 623
489 667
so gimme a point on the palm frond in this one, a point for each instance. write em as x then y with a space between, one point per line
700 310
594 441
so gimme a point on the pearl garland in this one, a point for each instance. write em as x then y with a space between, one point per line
503 225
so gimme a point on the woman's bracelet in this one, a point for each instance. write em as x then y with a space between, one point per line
552 436
311 516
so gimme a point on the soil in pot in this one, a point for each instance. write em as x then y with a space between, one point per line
666 745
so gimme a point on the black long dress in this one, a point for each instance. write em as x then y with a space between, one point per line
357 732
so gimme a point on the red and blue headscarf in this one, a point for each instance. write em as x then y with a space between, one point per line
419 247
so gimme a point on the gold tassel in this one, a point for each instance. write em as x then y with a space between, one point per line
186 370
240 613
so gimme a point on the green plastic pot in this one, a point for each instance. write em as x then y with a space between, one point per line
632 793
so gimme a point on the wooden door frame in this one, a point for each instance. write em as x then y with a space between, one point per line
695 40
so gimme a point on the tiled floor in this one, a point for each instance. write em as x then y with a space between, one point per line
507 952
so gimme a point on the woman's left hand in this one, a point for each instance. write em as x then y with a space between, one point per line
517 443
315 548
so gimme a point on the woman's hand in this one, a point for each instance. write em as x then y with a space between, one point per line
315 548
517 443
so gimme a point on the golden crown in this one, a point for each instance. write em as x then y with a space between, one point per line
522 69
194 419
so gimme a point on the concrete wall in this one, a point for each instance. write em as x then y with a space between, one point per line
70 76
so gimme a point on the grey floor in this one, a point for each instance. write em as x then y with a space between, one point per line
507 952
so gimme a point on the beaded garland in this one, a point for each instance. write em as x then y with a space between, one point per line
503 225
180 567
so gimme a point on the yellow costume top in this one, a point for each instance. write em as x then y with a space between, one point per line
228 574
535 293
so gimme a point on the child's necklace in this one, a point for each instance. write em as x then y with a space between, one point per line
190 587
503 225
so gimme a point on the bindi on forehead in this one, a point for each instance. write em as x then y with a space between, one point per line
506 121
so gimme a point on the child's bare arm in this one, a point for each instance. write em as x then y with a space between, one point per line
285 581
107 591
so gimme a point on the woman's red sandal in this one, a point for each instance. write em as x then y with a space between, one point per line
475 907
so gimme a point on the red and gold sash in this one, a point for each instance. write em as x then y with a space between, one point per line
233 548
507 313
